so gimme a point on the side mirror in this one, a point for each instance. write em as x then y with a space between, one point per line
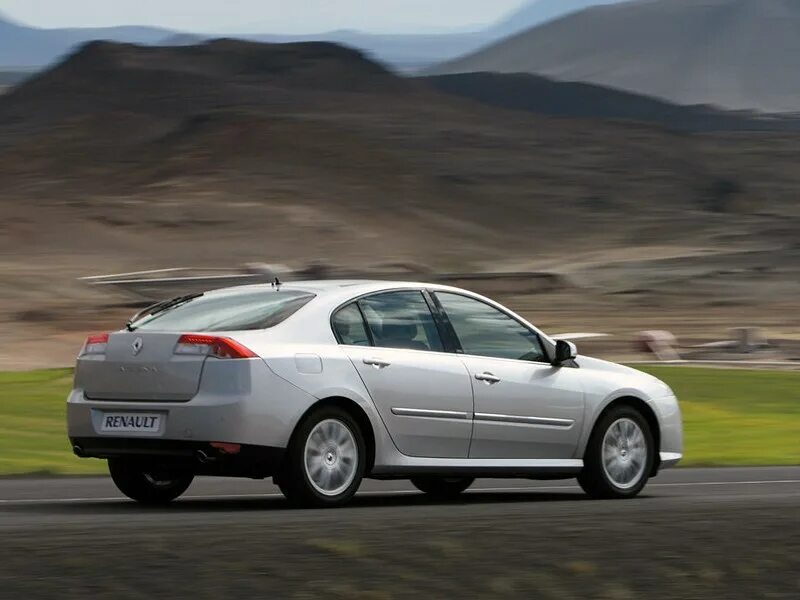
565 352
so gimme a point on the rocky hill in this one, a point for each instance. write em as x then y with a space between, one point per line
545 96
124 158
738 54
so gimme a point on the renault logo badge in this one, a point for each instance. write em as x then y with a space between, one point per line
137 345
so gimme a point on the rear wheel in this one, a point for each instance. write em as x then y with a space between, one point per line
325 461
619 456
149 483
442 488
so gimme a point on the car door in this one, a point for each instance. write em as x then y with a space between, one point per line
524 406
422 393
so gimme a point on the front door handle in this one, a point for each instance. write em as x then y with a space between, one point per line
487 378
377 363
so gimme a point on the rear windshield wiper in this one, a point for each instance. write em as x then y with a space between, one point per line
160 307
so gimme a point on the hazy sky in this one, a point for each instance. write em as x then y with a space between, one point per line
291 16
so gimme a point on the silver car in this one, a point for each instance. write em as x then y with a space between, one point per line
320 384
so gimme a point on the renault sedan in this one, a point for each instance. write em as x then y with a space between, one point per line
321 384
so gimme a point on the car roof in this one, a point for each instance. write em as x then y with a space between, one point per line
331 294
337 287
356 287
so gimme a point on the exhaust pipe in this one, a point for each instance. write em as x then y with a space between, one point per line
78 451
204 458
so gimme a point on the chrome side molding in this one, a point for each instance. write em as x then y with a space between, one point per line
524 420
425 413
430 414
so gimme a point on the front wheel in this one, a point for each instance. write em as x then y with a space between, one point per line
442 488
149 483
620 454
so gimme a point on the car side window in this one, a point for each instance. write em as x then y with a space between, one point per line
401 320
348 324
483 330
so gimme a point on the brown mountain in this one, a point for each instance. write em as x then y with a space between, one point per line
125 158
742 54
320 125
545 96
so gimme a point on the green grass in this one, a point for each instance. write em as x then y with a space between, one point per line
737 417
731 417
33 436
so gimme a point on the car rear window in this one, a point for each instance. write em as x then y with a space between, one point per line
235 311
349 326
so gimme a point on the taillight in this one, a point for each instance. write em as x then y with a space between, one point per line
210 345
95 344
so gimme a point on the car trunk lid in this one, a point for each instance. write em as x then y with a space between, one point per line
140 366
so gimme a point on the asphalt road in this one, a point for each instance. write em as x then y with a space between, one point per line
33 502
694 533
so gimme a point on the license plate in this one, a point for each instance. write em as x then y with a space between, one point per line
131 422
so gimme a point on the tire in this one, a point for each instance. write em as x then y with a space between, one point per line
442 488
625 434
325 461
147 483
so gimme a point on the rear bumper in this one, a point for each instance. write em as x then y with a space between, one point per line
238 402
200 457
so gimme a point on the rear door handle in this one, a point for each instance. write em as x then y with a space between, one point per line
377 363
487 378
